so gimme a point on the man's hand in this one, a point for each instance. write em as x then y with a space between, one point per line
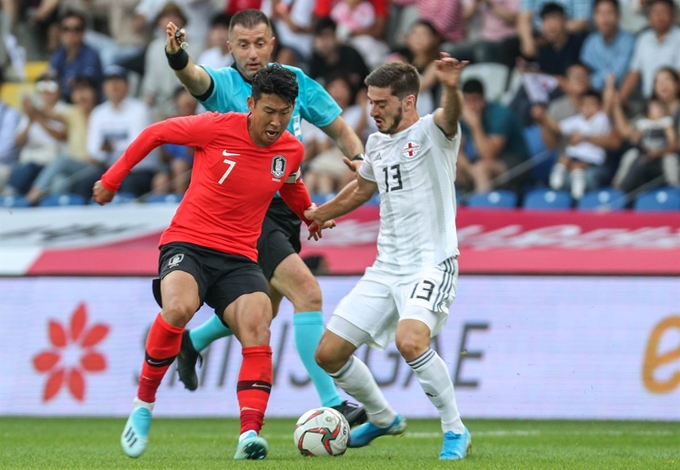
352 164
448 69
318 224
472 117
171 44
101 195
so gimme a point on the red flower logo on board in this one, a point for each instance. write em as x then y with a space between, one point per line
71 355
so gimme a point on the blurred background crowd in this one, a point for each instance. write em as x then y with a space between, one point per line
574 96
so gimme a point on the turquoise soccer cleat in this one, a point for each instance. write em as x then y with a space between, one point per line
362 435
251 447
456 446
135 435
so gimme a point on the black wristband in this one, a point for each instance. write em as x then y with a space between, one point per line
178 60
358 156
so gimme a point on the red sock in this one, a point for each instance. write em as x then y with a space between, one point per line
162 346
254 386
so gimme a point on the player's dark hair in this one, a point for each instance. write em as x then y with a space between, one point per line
551 8
275 80
400 77
249 19
592 94
473 87
614 3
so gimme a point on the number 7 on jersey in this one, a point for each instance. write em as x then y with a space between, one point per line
231 164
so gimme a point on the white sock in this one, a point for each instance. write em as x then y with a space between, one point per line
578 183
433 376
137 403
356 379
557 175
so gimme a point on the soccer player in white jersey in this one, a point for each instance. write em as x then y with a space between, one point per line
406 294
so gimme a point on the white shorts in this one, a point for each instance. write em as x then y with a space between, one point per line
381 299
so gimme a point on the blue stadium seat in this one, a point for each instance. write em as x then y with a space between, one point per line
500 199
547 199
170 198
319 199
662 199
603 199
120 198
542 158
13 201
64 199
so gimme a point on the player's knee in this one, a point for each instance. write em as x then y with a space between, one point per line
255 332
308 296
325 359
177 312
411 346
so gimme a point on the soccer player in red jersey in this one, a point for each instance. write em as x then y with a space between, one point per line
209 251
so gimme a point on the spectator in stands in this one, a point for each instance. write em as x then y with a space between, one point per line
577 167
39 136
558 48
177 160
497 41
9 121
653 159
217 54
422 48
325 171
234 6
607 50
530 19
446 17
493 142
377 30
112 126
293 22
60 174
74 58
330 57
158 86
127 36
655 48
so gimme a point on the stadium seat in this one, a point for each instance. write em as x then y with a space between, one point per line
62 200
500 199
494 77
547 199
13 201
319 199
662 199
542 158
120 198
603 199
170 198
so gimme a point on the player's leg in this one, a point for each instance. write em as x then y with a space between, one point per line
180 294
366 315
248 311
426 302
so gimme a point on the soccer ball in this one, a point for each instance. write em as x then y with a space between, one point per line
321 431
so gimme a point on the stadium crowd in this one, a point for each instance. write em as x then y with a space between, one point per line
571 95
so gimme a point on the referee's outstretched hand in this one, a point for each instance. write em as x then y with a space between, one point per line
448 69
100 194
171 44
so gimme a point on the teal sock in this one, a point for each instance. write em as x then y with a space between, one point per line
308 328
208 332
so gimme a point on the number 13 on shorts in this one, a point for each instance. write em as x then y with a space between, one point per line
435 288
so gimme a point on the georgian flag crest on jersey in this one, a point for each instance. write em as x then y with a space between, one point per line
278 166
410 149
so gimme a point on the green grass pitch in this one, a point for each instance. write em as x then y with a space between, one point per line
75 443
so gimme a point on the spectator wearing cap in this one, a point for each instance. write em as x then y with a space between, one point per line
607 50
493 142
655 48
330 57
40 135
60 175
577 14
112 126
74 58
9 121
158 86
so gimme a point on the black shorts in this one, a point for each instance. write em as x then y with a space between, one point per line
280 236
221 278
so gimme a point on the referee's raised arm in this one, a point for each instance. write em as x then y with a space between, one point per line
194 78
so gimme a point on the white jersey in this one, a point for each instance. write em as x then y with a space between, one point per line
415 171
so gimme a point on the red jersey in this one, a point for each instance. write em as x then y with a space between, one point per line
232 182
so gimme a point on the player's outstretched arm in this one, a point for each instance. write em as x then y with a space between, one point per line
194 78
448 72
350 197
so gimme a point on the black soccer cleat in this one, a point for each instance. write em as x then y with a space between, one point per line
186 362
355 414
